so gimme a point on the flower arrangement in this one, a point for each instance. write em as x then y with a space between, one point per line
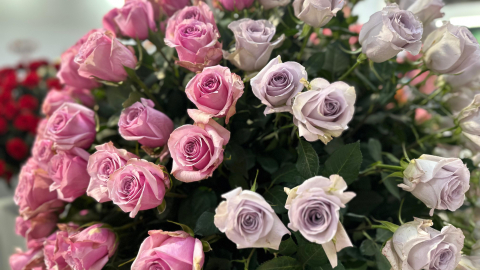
258 135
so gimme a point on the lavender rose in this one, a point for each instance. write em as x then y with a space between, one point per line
248 220
269 4
317 13
101 164
389 32
426 10
415 245
440 183
448 49
313 209
253 47
277 84
469 120
324 111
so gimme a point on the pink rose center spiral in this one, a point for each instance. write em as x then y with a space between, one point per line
195 151
192 31
129 187
133 114
60 121
106 168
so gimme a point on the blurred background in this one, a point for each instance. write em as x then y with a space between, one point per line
34 33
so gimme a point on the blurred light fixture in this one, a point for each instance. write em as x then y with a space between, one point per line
116 3
468 21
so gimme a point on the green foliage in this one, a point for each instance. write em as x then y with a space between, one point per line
345 162
281 263
307 163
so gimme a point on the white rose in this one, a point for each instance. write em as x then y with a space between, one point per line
317 13
426 10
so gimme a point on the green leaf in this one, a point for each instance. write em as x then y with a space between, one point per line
345 162
132 98
287 174
383 235
307 163
236 180
281 263
329 267
336 61
185 228
206 246
195 205
205 225
382 262
277 197
391 184
161 208
386 225
368 247
287 248
268 164
375 149
311 254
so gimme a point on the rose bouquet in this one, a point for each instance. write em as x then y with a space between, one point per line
259 135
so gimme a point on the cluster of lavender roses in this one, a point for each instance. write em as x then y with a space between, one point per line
61 170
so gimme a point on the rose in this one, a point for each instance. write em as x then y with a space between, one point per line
68 170
196 43
313 209
169 251
469 263
68 73
415 245
231 5
469 79
101 165
32 194
42 124
201 12
36 228
269 4
139 185
104 57
42 152
30 259
253 47
317 13
426 10
324 111
440 183
71 125
389 32
56 246
277 84
248 220
469 121
55 99
197 150
141 122
215 91
447 50
91 248
108 21
135 19
170 6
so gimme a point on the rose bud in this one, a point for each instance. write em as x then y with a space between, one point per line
36 228
32 194
42 152
324 111
389 32
68 170
269 4
141 122
68 73
56 246
90 248
253 47
425 10
415 245
201 12
169 251
101 165
71 125
197 150
231 5
104 57
139 185
196 43
55 99
469 263
469 79
277 84
215 91
469 120
30 259
447 50
249 221
108 21
135 19
440 183
313 209
317 13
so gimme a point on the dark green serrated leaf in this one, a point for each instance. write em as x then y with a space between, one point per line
311 254
281 263
287 174
336 60
205 225
368 247
268 164
307 163
382 262
375 149
194 206
287 248
383 235
276 197
345 162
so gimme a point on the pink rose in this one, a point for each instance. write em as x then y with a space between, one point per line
42 152
68 170
238 4
56 246
108 21
42 124
201 12
171 6
135 18
169 251
196 43
139 185
71 125
91 248
32 194
101 165
55 99
104 57
215 92
32 259
68 73
197 150
36 228
141 122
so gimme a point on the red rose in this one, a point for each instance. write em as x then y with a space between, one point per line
28 102
33 66
54 83
17 148
8 80
9 110
31 80
5 94
26 121
3 126
2 167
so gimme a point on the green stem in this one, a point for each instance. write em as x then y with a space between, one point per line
389 167
439 132
247 262
305 41
360 60
127 226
